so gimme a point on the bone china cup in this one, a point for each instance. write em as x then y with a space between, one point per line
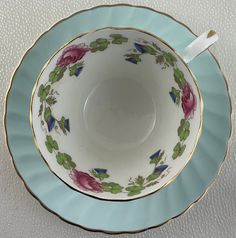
116 113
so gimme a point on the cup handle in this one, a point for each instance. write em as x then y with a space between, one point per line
200 44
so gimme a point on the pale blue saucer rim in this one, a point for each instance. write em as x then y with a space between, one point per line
11 126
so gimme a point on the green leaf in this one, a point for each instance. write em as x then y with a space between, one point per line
182 149
65 160
176 93
179 78
102 41
175 154
49 139
66 165
47 113
116 190
62 121
72 164
46 91
134 188
183 130
93 44
118 39
100 176
40 92
186 134
178 150
170 59
49 147
159 59
139 180
56 74
60 159
62 124
185 123
43 92
51 144
151 184
103 176
99 45
51 100
116 36
151 177
173 58
150 50
183 135
136 57
111 187
177 147
106 187
73 69
67 157
55 145
133 193
157 159
102 47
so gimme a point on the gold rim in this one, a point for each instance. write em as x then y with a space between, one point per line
104 231
185 64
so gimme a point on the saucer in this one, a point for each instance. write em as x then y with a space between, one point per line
107 216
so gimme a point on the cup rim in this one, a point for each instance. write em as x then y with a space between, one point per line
197 136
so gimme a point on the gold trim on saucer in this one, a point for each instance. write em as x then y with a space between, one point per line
97 230
185 64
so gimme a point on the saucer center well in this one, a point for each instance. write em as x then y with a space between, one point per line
119 113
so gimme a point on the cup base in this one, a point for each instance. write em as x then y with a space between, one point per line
119 112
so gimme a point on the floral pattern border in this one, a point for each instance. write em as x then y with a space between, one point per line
97 180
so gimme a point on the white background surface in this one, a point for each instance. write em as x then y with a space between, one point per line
21 22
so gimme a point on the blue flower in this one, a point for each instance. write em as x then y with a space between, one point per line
141 48
160 169
51 123
67 125
78 71
101 171
132 60
173 97
155 155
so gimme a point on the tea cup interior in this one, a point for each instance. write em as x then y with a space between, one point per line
116 114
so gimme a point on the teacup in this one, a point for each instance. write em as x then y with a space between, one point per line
116 113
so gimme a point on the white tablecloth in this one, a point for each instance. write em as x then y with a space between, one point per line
21 22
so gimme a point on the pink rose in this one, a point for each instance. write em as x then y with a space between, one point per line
85 181
188 101
71 54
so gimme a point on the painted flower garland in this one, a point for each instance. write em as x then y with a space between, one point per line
183 93
96 179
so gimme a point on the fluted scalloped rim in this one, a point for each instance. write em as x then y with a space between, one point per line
155 199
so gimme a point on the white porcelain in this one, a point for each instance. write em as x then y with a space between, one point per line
119 114
201 43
